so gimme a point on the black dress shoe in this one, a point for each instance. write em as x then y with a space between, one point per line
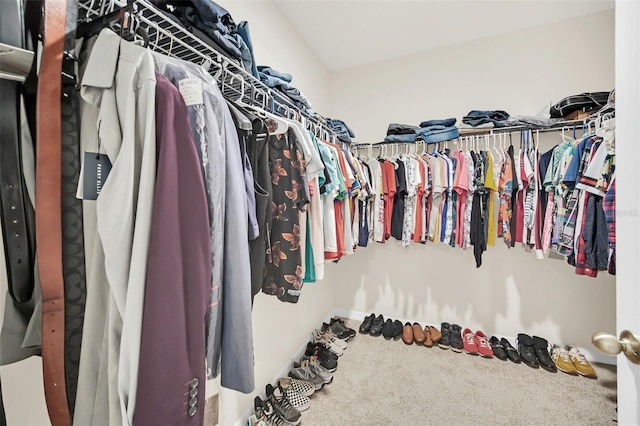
377 326
527 353
366 324
512 353
540 346
387 330
498 349
397 329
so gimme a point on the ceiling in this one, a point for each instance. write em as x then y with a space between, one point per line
346 34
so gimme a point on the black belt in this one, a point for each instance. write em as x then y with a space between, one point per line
16 210
73 262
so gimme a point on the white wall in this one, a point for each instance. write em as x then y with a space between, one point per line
520 73
512 292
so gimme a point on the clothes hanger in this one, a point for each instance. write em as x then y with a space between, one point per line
276 125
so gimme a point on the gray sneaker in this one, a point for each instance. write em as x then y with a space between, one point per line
318 370
282 404
303 372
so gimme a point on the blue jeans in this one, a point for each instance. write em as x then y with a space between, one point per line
273 73
435 134
243 31
447 122
476 118
408 138
340 127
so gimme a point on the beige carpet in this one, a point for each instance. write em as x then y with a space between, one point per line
385 382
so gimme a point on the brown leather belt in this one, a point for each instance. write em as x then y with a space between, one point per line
48 211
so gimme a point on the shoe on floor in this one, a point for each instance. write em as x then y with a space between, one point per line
484 348
328 335
407 334
335 330
300 402
512 353
377 326
272 416
428 340
541 348
303 387
387 330
436 336
366 324
580 362
329 364
319 370
418 334
455 338
328 343
303 372
469 342
324 351
397 329
562 359
266 413
498 348
282 404
445 330
338 324
527 352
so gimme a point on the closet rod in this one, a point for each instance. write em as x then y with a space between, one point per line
169 38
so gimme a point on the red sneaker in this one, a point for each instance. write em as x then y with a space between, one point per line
484 347
469 342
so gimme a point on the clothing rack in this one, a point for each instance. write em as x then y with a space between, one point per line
236 84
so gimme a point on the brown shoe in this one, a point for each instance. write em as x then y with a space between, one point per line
428 342
407 334
418 334
436 336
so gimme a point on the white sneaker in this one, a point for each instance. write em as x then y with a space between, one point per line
327 343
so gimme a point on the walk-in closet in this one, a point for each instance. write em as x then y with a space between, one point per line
319 212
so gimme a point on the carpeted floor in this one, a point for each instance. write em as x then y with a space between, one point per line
385 382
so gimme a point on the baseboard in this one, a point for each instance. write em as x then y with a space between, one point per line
591 354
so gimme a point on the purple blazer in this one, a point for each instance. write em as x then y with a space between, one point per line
171 375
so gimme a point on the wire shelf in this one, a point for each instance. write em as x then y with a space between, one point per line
171 39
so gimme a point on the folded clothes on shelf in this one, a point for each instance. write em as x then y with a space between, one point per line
341 129
447 122
435 134
282 82
214 21
475 117
402 138
401 129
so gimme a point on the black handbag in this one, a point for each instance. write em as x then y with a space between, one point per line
582 102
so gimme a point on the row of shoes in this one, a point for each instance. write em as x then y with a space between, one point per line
286 400
532 351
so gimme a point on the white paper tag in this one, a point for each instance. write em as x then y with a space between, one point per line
191 91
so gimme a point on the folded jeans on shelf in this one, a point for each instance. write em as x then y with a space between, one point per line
477 117
447 122
401 129
435 134
405 138
340 126
274 73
